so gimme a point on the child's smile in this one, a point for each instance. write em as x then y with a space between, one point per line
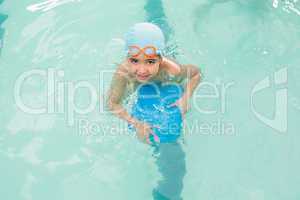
144 68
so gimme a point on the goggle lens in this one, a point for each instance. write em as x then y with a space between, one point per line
147 51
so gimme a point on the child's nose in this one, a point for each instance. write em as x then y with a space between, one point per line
142 69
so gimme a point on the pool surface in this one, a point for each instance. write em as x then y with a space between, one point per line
57 140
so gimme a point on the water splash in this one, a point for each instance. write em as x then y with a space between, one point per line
275 3
47 5
290 6
287 5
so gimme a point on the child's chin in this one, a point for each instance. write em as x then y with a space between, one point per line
144 80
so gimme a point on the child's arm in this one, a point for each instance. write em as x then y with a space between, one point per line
193 76
189 72
115 95
114 103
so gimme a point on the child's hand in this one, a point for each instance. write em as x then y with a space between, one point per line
144 130
183 105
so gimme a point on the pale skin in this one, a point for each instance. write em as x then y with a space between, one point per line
142 69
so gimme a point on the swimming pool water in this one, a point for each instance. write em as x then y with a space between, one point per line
241 139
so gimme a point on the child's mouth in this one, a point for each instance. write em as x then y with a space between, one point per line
142 77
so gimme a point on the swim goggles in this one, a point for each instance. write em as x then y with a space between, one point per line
148 51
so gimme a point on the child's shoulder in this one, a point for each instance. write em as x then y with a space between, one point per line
123 70
170 70
170 66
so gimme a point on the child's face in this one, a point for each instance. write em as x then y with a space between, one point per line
144 68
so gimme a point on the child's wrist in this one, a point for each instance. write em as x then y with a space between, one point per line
134 121
186 96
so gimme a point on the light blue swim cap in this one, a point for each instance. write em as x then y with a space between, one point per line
145 34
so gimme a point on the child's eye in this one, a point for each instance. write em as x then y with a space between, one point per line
134 60
151 61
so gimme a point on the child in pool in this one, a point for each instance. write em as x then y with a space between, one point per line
145 62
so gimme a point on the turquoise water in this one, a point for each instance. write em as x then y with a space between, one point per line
240 141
